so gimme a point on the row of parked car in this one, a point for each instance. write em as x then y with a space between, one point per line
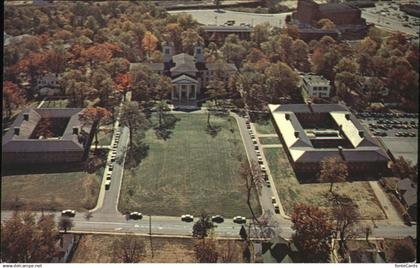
386 115
112 158
260 161
189 218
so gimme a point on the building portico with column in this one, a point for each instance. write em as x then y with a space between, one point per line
189 74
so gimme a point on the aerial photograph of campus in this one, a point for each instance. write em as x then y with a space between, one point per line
210 131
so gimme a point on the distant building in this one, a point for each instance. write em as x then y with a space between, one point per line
68 138
189 74
277 250
347 18
316 85
217 34
49 84
312 132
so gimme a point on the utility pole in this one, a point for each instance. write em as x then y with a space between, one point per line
150 233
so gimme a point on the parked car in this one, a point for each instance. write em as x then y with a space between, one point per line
187 218
276 208
273 199
107 184
110 167
239 220
109 176
260 160
217 219
68 213
135 215
267 182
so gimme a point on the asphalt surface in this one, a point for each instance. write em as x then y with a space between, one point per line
213 17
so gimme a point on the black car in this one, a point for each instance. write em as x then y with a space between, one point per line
217 219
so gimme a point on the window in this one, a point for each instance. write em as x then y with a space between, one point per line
183 86
167 50
198 50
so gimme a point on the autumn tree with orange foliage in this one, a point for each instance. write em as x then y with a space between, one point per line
149 42
12 97
95 116
313 231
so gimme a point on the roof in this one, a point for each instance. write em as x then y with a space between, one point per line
301 149
315 80
183 63
184 79
151 66
226 28
278 250
23 143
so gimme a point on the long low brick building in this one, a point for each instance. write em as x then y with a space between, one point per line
46 136
313 132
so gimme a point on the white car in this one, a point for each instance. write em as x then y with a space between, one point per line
135 215
68 213
187 218
263 168
239 220
260 160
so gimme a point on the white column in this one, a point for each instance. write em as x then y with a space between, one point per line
179 93
172 93
195 92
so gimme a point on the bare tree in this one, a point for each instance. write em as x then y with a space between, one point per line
346 216
65 224
253 182
128 248
202 226
333 169
205 251
227 253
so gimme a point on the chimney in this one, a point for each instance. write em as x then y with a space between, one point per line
361 133
297 134
347 116
287 116
26 116
340 128
340 151
17 131
75 131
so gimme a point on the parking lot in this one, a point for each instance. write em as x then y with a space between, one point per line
391 124
390 16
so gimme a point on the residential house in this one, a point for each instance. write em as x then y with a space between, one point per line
316 85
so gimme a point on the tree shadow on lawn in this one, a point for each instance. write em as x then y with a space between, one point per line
165 130
93 164
135 155
308 178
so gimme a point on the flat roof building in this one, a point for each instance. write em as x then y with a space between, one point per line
218 33
313 132
316 85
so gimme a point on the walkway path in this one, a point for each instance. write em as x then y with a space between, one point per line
272 146
388 207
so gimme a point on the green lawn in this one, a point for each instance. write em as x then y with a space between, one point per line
292 192
263 124
189 172
269 140
104 137
54 190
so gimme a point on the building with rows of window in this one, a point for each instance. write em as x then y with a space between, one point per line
316 85
313 132
190 74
